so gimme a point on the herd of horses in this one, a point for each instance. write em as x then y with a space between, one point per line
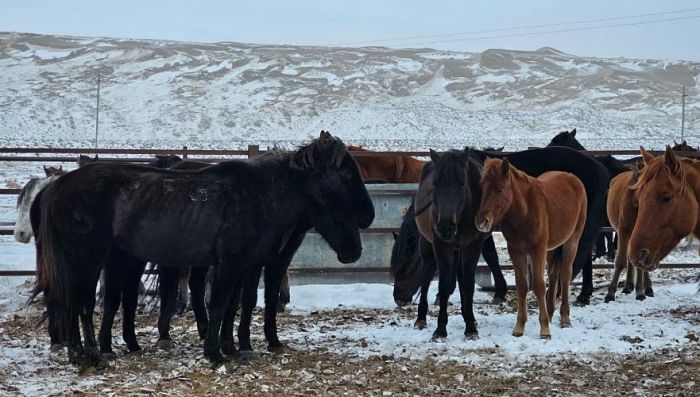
241 219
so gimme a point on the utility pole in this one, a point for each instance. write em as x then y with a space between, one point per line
683 114
97 110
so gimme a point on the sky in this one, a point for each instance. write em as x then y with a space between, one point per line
369 22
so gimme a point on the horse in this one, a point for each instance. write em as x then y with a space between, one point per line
388 168
233 215
537 216
683 147
410 273
667 192
595 179
622 212
614 167
446 203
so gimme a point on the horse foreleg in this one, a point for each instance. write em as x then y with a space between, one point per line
584 298
444 256
87 310
228 345
197 283
520 269
273 281
491 256
554 262
466 274
630 278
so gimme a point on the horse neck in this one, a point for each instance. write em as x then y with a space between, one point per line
692 176
522 185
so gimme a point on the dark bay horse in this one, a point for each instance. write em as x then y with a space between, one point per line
447 199
537 216
595 179
234 215
667 193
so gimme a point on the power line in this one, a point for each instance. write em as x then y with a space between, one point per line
518 27
553 31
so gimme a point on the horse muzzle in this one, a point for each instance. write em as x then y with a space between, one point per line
23 237
484 225
446 231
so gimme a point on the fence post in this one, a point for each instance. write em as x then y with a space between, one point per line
253 150
184 152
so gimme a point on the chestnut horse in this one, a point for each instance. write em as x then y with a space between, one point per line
622 212
536 215
667 193
387 168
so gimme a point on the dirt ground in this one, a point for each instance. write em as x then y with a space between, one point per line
315 368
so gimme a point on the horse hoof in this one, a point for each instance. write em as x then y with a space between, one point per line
565 324
545 336
134 348
518 334
498 300
56 347
276 348
229 348
649 293
420 324
281 308
474 335
582 301
165 344
626 291
609 298
641 297
109 356
439 337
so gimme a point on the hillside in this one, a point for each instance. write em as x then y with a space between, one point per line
164 93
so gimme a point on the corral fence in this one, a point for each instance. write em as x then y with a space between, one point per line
314 258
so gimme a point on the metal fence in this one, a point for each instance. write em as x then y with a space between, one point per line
314 256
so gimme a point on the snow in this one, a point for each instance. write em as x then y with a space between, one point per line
598 328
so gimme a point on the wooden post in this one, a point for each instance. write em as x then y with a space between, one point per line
184 152
253 150
683 96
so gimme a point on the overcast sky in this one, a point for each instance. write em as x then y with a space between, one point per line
332 22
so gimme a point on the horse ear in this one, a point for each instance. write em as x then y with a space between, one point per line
396 235
675 143
671 161
646 155
46 171
573 133
434 155
465 154
505 166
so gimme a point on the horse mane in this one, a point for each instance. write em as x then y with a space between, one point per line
23 193
332 150
651 171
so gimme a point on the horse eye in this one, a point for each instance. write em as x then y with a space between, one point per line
666 198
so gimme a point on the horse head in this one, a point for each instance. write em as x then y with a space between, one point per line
566 139
451 191
53 171
668 209
340 202
85 160
496 193
165 161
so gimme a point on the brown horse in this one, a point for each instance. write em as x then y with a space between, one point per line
667 191
536 215
622 209
388 168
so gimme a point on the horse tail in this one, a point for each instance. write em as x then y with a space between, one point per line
53 272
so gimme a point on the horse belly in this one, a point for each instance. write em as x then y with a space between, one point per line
180 239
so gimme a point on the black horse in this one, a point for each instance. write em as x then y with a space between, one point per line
595 179
410 274
234 215
605 244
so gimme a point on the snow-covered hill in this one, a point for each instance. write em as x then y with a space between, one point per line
164 93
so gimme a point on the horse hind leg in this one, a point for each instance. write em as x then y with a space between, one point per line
168 295
197 283
630 278
284 296
566 265
182 290
639 286
553 264
491 257
620 264
130 297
